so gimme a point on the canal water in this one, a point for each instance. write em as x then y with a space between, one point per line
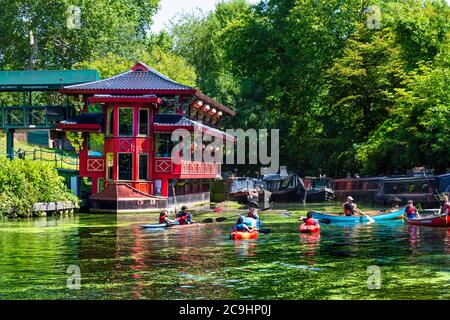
117 259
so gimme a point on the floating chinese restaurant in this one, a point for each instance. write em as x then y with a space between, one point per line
126 124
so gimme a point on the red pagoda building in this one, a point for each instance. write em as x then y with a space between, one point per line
126 125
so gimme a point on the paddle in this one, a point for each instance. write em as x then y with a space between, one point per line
371 220
219 219
265 231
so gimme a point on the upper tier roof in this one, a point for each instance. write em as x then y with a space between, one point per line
139 80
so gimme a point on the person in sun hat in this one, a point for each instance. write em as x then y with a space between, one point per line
349 207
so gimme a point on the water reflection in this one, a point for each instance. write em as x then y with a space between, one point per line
119 259
312 242
245 248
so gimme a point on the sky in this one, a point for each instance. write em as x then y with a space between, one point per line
170 8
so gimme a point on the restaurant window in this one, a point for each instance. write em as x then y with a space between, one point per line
101 184
170 104
163 145
126 121
158 186
186 102
125 166
180 187
109 166
96 144
110 123
143 122
171 190
143 166
425 187
411 188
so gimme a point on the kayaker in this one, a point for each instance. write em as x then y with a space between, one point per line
184 219
309 220
163 218
445 207
184 212
349 207
253 213
241 226
180 213
411 211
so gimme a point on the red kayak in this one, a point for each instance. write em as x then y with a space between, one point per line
309 229
243 235
430 221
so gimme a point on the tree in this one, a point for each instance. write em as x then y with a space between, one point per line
167 63
38 34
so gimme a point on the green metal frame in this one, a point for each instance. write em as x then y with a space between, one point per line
25 119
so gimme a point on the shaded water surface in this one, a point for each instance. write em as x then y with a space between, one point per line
118 259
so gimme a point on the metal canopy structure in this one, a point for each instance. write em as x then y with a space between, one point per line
28 116
44 80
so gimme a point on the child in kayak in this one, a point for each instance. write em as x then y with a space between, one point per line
241 226
163 218
309 220
411 211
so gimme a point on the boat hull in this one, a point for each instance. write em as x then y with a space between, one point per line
172 226
359 219
440 222
309 229
243 235
314 196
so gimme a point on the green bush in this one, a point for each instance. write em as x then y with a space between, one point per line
25 182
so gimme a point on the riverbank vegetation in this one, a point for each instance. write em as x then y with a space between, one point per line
354 87
26 182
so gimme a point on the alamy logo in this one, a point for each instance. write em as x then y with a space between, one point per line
374 279
74 279
374 18
236 146
74 17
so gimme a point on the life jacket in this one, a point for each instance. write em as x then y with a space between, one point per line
240 227
183 220
411 210
347 210
310 222
162 219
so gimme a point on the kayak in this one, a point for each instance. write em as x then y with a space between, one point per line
430 221
309 229
172 226
243 235
382 216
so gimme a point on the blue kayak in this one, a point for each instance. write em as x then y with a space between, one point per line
155 226
383 216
